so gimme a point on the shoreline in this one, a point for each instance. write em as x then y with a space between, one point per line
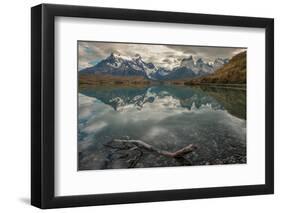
149 84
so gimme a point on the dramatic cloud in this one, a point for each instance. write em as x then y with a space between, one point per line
167 56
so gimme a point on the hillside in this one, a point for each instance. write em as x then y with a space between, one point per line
98 79
233 72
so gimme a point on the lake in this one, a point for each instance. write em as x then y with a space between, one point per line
165 117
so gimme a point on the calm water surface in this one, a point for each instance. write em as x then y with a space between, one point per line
166 117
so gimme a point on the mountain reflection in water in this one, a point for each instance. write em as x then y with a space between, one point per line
165 117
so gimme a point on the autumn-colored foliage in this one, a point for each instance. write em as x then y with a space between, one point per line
94 79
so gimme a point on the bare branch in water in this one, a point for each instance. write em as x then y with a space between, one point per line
141 144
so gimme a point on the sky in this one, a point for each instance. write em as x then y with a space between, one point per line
167 56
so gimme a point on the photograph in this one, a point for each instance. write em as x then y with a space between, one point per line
134 105
160 105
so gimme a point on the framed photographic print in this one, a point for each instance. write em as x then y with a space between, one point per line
139 106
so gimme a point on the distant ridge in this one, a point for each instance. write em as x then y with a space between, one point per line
233 72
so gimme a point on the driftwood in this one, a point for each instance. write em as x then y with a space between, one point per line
142 145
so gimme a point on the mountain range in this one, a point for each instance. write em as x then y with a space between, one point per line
123 66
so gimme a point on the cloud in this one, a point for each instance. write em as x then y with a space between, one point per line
167 56
208 53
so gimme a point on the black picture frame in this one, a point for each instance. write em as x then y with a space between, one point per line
43 102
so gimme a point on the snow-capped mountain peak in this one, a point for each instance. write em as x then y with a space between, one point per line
120 65
188 62
137 57
219 62
199 61
115 55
